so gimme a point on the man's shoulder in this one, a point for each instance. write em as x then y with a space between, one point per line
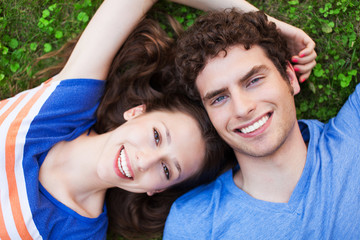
201 201
193 212
204 194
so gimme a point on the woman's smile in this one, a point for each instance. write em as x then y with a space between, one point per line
122 165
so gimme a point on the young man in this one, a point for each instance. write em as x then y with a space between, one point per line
295 179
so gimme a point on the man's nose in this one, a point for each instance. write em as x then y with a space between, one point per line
242 104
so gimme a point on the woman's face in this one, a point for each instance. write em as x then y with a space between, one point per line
152 151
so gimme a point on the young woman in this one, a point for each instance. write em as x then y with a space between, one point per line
56 171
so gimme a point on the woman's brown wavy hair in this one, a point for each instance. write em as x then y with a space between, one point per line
145 65
216 31
143 73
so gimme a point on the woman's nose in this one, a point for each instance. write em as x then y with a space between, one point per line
147 159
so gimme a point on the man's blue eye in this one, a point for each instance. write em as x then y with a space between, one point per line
219 99
156 137
254 81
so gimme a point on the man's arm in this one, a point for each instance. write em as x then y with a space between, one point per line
301 45
102 38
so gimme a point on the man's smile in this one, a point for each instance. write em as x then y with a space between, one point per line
256 127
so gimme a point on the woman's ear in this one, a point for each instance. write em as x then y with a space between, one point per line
153 192
294 83
134 112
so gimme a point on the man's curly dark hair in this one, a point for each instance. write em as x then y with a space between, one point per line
216 31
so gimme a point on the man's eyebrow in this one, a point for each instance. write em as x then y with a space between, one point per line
212 94
253 71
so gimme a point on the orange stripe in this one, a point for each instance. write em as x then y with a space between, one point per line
11 108
10 165
3 103
3 233
48 81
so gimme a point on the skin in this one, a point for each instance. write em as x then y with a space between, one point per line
104 35
90 161
159 154
240 89
302 47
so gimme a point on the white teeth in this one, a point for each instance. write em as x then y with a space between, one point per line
255 126
122 164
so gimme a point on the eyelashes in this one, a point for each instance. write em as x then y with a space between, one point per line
157 137
253 82
166 171
157 140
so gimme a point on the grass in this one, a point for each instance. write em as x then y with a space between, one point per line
29 29
335 27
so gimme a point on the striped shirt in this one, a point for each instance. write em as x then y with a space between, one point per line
30 124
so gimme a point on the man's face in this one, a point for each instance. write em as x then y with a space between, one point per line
250 104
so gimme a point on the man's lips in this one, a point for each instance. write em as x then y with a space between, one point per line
255 127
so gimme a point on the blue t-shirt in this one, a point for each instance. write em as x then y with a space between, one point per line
30 124
325 203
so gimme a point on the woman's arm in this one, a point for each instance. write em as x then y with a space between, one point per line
207 5
302 48
102 38
301 45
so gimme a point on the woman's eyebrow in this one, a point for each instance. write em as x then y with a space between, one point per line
168 139
177 165
168 135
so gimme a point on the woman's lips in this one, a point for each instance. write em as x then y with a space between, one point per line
122 165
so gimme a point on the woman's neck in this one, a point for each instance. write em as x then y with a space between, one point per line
69 174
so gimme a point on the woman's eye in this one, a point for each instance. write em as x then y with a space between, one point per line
157 137
166 171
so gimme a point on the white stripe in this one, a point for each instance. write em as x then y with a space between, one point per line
19 173
19 151
5 201
10 102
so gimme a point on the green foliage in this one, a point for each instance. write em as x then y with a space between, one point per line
184 15
29 29
32 28
335 27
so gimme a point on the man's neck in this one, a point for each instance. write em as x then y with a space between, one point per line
273 178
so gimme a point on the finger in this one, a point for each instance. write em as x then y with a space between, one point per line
304 60
304 77
309 48
305 68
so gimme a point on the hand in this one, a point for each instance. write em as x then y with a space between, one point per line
302 48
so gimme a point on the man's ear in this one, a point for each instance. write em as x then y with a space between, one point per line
153 192
134 112
294 83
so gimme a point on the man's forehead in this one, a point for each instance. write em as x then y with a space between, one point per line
235 58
